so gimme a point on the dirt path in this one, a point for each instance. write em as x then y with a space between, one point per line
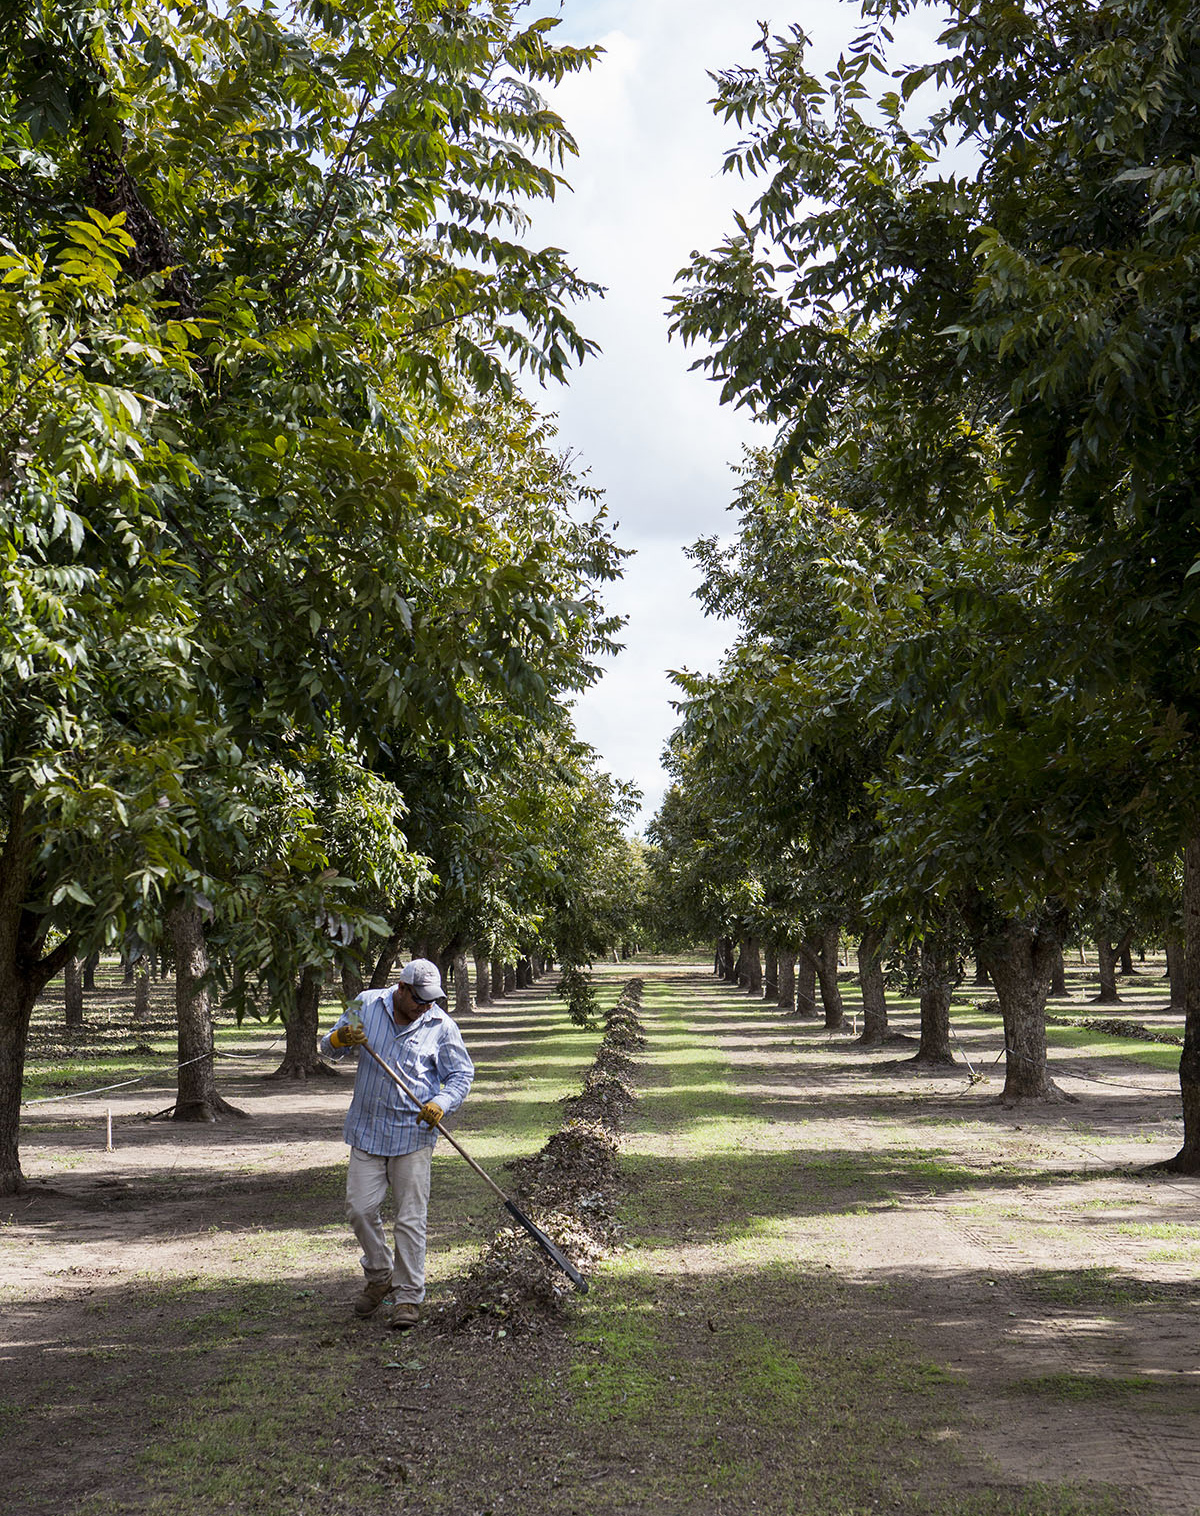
846 1288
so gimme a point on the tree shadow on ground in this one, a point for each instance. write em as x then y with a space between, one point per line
675 1091
212 1398
818 1393
823 1182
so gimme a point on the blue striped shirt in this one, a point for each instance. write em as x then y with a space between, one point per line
428 1054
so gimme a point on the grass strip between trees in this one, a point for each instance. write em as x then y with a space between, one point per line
726 1373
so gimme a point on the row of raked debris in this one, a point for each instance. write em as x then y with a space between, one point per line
1111 1026
569 1189
1119 1026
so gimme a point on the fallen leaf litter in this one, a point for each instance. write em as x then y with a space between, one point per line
569 1189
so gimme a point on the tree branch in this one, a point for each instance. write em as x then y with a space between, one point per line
333 189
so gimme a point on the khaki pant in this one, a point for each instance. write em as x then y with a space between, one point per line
368 1180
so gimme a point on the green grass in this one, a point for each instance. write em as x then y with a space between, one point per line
1083 1386
1160 1230
263 1438
1094 1288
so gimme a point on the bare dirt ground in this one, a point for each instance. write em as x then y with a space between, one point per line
177 1336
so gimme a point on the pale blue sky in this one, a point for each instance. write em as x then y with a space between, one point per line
647 190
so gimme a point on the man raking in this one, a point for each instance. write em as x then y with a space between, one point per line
391 1138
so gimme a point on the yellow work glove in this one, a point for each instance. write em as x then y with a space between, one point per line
430 1113
350 1036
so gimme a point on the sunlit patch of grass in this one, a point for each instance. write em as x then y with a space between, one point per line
1100 1045
1166 1231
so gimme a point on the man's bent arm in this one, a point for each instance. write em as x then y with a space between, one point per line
456 1071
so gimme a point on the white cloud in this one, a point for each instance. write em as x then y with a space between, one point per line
628 715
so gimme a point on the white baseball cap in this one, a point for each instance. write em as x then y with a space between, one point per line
424 978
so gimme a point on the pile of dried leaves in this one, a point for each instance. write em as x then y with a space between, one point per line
605 1098
569 1189
1118 1026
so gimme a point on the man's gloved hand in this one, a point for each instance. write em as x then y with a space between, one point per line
350 1036
430 1113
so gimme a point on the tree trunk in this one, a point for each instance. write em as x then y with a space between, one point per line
462 987
771 974
510 978
823 954
300 1057
17 995
874 998
724 957
938 978
197 1098
483 981
1126 957
786 999
752 966
524 974
1108 956
141 990
90 964
741 972
1177 973
381 975
497 979
73 992
1187 1160
1058 981
806 983
24 974
1021 963
352 979
981 980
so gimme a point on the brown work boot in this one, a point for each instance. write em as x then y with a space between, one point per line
374 1292
404 1316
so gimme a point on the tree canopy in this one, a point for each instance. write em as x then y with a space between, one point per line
282 541
991 367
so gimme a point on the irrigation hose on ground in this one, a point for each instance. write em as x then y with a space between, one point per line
555 1255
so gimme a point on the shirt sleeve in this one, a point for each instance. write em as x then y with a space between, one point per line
455 1069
